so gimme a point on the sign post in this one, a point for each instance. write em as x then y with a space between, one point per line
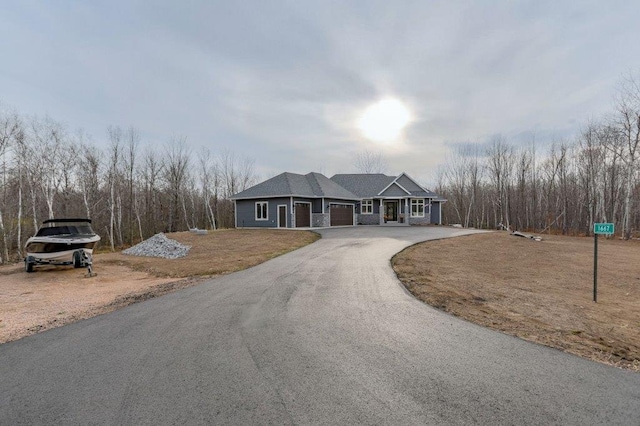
598 228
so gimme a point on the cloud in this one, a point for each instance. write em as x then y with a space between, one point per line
285 81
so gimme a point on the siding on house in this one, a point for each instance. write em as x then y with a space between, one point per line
246 213
435 212
394 191
408 184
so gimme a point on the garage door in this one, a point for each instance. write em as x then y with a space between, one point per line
303 215
341 215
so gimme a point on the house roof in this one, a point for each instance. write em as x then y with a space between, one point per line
372 185
313 185
364 185
341 186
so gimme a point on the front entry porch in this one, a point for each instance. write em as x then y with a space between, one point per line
393 212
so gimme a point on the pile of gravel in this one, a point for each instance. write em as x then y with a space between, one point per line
158 246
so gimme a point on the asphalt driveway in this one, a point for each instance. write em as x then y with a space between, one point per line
322 335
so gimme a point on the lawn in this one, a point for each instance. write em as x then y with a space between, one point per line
539 291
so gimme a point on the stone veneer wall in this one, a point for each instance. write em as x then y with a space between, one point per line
420 220
320 220
368 219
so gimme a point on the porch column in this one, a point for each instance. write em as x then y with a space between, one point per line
406 211
380 214
292 214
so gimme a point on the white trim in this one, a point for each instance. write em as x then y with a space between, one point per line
415 200
255 211
399 186
285 215
407 210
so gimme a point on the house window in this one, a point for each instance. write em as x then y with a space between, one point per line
367 206
262 210
417 207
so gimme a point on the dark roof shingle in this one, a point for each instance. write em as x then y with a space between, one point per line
363 185
292 184
317 185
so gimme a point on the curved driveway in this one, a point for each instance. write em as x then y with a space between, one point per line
322 335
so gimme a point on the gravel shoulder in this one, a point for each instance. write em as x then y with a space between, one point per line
55 296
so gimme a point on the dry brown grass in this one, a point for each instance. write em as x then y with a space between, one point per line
539 291
218 253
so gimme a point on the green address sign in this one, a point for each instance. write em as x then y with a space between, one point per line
603 228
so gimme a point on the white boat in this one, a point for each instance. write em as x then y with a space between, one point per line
61 242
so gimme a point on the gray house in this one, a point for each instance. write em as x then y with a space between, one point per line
291 200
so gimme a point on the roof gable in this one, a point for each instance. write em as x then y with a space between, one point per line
409 186
394 190
407 183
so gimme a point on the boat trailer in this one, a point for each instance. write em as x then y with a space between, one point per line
80 260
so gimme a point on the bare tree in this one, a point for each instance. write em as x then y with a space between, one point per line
457 175
209 177
370 162
89 162
132 138
113 178
501 160
627 144
151 170
592 173
236 175
49 146
10 128
176 174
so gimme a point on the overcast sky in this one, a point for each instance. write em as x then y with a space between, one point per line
285 82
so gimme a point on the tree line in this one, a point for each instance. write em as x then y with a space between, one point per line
566 189
129 192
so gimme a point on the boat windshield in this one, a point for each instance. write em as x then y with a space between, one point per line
71 229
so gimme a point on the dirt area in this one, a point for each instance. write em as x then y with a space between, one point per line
54 296
538 291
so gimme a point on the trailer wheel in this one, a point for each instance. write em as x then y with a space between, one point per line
77 259
28 263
